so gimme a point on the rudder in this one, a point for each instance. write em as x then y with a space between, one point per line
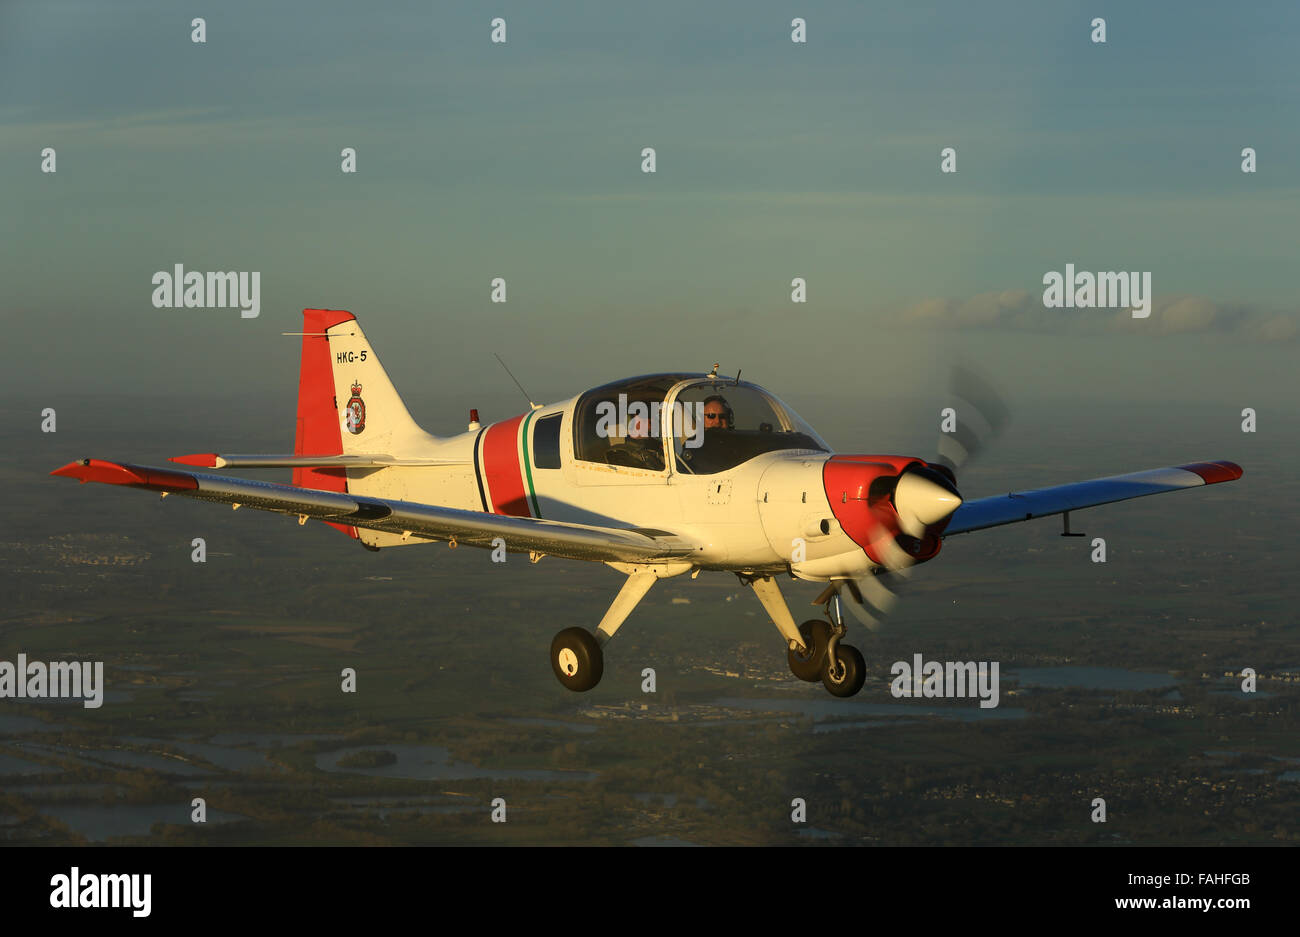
347 404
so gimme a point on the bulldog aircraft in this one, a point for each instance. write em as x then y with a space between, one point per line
750 489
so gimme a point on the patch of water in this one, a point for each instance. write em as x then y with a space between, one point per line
9 765
19 725
829 707
812 832
99 822
160 763
381 807
231 759
1238 694
1090 678
556 723
269 739
431 762
48 791
869 724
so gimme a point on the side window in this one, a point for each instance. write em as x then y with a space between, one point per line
546 442
620 424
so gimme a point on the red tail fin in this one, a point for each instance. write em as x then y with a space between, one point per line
318 418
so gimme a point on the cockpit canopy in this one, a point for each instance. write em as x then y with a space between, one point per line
704 424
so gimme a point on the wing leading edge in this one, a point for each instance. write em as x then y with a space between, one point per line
1043 502
574 541
213 460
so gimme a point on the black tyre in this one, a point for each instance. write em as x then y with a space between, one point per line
816 633
576 659
850 675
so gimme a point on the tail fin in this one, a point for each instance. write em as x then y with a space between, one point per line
346 403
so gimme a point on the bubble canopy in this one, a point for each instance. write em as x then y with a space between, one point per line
704 424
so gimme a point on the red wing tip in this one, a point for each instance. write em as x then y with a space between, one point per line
111 473
98 470
1215 472
202 459
69 470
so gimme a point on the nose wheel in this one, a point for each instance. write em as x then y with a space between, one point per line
576 659
844 676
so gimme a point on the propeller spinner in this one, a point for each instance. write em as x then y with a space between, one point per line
922 498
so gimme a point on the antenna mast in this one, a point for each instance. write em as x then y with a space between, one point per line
531 405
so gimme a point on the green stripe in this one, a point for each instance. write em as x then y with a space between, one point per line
528 466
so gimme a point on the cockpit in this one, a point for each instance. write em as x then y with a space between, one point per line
703 424
718 424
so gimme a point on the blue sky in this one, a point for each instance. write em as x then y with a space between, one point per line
775 160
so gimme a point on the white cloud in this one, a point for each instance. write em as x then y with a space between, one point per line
1023 310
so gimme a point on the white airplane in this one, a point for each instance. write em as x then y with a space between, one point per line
730 479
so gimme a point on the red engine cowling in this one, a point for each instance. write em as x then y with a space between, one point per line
860 489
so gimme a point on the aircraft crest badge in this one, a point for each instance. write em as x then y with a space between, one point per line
356 411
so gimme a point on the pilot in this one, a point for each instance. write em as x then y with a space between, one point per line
717 413
707 457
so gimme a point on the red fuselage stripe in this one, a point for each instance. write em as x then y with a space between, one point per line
504 475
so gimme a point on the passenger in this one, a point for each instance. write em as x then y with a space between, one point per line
638 427
639 449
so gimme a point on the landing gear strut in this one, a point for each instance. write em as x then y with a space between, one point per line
843 669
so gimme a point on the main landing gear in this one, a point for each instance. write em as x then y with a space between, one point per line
576 656
577 659
815 652
814 649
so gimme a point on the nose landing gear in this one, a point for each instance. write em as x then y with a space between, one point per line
842 669
814 651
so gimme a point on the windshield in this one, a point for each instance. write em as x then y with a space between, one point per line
719 424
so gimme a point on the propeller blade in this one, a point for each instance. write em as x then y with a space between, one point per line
923 497
870 599
980 416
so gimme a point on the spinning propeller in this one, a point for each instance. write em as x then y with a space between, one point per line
922 497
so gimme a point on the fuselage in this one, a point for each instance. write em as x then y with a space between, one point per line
760 491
